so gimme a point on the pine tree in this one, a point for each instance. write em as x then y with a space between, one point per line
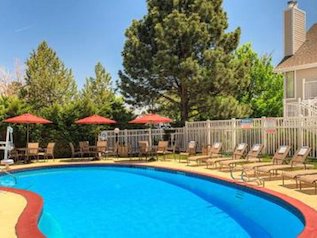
180 54
47 80
101 98
98 90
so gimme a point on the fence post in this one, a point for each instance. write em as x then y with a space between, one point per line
301 130
208 133
150 136
263 132
125 136
234 133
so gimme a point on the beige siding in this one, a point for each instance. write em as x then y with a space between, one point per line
294 30
308 74
299 29
288 33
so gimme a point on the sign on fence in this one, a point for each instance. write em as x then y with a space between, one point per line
103 135
246 123
270 125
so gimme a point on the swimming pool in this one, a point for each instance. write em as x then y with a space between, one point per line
138 202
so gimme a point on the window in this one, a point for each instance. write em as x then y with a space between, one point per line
289 85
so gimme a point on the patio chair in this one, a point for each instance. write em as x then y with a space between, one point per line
124 150
162 149
252 156
102 149
208 152
298 161
308 179
144 149
84 148
297 173
48 152
75 153
32 151
238 153
190 151
278 158
15 155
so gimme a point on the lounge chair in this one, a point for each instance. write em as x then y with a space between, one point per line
298 161
48 152
238 153
308 179
190 151
278 158
207 153
297 173
252 156
162 149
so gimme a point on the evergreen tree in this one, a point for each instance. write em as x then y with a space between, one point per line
47 80
98 90
180 53
100 98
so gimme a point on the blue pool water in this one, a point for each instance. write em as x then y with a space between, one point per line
135 202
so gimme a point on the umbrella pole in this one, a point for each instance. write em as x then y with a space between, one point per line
27 134
97 134
150 136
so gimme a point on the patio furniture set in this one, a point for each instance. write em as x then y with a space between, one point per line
33 151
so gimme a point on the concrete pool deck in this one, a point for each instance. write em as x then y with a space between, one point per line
12 205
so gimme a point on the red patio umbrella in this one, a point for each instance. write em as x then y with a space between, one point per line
150 119
95 119
27 118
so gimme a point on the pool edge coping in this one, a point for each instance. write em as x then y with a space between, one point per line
27 224
28 220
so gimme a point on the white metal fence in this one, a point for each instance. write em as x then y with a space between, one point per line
271 132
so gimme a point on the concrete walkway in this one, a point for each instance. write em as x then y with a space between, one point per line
11 206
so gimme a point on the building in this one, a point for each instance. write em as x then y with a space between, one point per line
299 64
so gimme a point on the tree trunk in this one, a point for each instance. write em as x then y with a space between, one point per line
184 105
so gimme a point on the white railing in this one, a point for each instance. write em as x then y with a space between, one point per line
311 106
301 108
271 132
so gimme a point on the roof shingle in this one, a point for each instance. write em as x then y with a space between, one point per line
306 54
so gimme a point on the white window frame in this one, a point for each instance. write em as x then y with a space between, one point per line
295 90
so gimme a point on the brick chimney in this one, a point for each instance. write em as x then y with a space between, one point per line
294 28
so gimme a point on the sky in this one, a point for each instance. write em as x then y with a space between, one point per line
86 32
